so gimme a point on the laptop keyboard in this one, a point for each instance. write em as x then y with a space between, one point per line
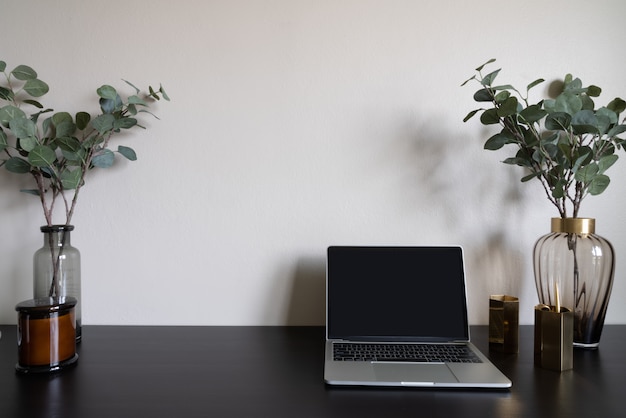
417 353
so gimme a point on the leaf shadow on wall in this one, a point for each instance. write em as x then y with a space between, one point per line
307 298
483 206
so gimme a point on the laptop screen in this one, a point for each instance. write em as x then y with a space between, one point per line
396 294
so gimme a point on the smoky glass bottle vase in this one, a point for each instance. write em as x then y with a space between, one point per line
574 267
56 268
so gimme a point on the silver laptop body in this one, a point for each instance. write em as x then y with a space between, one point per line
400 296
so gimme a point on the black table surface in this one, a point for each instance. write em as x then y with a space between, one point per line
143 371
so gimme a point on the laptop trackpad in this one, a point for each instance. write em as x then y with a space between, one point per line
408 372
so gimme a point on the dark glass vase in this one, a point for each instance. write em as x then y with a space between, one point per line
576 266
56 269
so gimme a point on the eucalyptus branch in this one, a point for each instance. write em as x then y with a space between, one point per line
573 143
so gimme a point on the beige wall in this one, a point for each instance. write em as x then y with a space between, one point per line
296 125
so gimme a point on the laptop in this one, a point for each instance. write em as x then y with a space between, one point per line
386 306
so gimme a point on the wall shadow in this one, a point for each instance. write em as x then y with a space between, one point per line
307 299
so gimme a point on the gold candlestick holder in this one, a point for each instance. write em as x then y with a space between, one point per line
554 338
504 323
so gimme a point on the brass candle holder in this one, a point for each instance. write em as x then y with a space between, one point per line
504 323
554 338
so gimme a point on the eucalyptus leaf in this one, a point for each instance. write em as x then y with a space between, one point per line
6 94
17 165
42 156
3 66
104 159
533 114
508 108
36 88
496 142
34 192
34 103
127 152
471 114
124 123
28 143
23 128
65 128
71 179
107 92
490 117
24 72
599 184
558 121
606 162
103 123
82 120
483 95
10 112
488 79
617 105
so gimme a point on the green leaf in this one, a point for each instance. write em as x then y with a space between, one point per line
568 103
127 152
24 72
488 79
558 121
65 128
71 179
471 115
480 68
490 117
60 117
617 105
36 88
68 144
3 66
42 156
558 191
508 108
17 165
82 120
136 100
530 177
34 103
502 96
8 113
598 184
132 85
23 128
28 143
587 173
584 121
606 162
124 123
104 159
34 192
103 123
107 92
535 83
594 91
163 93
496 142
483 95
111 105
6 94
616 130
533 113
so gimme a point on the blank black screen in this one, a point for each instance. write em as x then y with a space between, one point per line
396 293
